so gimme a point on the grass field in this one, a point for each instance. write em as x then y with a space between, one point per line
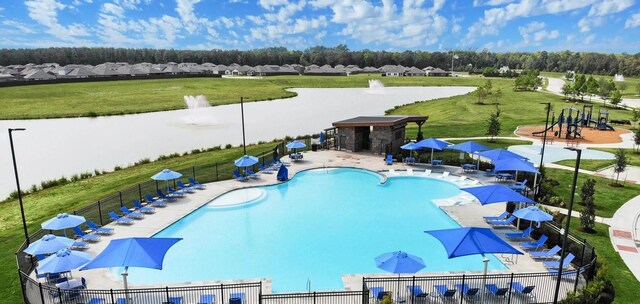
599 164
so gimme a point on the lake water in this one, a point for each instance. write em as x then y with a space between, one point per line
51 148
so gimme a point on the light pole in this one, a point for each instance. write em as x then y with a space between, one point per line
452 58
244 144
566 230
544 141
15 170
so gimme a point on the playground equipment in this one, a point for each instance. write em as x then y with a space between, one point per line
573 124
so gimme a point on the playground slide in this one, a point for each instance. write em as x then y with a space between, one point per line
542 132
606 126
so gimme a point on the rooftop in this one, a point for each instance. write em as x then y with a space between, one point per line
379 121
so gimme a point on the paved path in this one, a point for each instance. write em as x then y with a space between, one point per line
556 84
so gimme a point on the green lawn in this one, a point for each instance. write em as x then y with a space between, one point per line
598 164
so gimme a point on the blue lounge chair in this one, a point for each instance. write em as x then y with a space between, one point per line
186 188
131 214
549 254
378 293
143 209
520 235
444 292
264 170
121 301
239 177
519 186
193 183
79 245
522 290
174 192
174 300
85 237
565 263
97 301
99 230
416 291
496 291
120 220
534 245
237 298
207 299
467 291
154 202
164 196
504 223
389 160
500 217
252 174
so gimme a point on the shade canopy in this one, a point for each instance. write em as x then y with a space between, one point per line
498 154
469 147
471 240
166 175
63 221
410 146
246 161
296 144
432 143
491 194
514 164
63 260
399 262
283 173
533 213
48 244
133 252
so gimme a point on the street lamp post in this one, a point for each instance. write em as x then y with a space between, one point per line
452 58
244 144
544 140
566 229
15 170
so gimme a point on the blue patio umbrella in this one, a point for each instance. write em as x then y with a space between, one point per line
533 213
132 252
468 147
63 221
399 262
498 154
63 260
433 144
322 137
246 161
515 164
166 175
497 194
470 241
48 244
410 146
296 144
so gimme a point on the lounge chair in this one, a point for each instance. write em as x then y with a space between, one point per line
164 196
519 185
444 175
207 299
427 172
131 214
415 291
265 170
393 172
97 301
444 292
174 192
409 171
548 254
272 165
174 300
280 162
186 188
143 209
460 179
84 236
502 216
237 298
520 235
496 291
120 220
522 290
534 245
389 160
467 291
252 174
472 182
79 245
154 202
503 223
99 230
193 183
239 177
378 293
565 263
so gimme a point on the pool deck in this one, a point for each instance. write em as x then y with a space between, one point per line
461 208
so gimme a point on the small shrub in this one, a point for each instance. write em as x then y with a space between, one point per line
117 168
228 146
195 151
142 161
92 114
216 148
85 175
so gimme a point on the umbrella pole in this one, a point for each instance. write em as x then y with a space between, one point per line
398 290
126 288
432 156
535 182
484 276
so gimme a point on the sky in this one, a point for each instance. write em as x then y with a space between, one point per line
610 26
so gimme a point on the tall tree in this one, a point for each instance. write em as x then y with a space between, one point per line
616 97
493 124
620 164
588 214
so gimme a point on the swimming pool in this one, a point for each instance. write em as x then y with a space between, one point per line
320 225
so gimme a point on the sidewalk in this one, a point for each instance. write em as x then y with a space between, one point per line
623 230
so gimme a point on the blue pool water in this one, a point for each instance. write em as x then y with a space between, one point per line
320 225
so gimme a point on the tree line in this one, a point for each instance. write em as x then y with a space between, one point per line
580 62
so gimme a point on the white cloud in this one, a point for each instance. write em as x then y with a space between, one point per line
20 26
477 3
494 45
535 32
633 21
228 23
271 4
607 7
587 23
111 8
186 11
589 39
45 12
131 4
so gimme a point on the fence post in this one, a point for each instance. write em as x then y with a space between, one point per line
120 197
594 261
217 178
41 292
157 186
140 192
166 288
463 291
314 297
510 284
221 287
193 171
260 293
113 300
100 213
60 294
575 284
